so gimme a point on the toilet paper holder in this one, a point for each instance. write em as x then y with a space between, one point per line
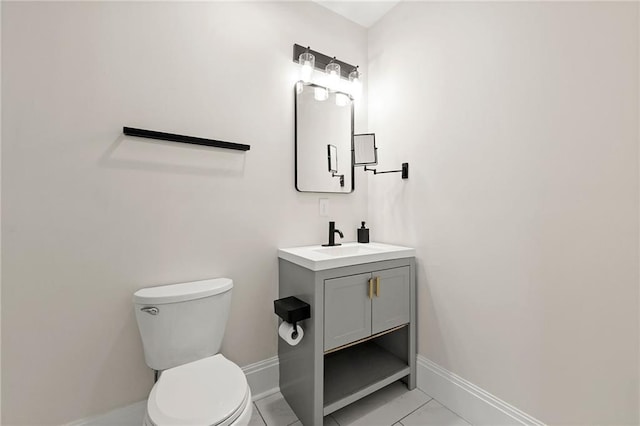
291 309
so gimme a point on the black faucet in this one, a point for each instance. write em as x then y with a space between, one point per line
332 235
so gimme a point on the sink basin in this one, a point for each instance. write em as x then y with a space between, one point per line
318 258
349 250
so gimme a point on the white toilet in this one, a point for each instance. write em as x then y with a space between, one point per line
182 326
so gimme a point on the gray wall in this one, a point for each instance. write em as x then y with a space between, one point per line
89 216
520 123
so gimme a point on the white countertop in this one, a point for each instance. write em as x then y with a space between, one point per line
319 258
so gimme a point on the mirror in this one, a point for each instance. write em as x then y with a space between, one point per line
365 152
333 158
324 129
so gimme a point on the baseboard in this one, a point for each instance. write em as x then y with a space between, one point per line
470 402
124 416
262 376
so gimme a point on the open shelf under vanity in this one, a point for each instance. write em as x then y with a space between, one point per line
357 371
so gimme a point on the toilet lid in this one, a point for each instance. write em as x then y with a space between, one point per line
204 392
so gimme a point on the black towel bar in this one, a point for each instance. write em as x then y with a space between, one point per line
151 134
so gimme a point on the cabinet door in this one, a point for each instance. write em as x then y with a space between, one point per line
347 310
391 303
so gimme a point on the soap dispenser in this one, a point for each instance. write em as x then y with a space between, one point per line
363 234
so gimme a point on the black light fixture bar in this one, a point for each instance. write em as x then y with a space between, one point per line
322 60
151 134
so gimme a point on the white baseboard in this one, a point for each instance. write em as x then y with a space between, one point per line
130 415
262 376
467 400
470 402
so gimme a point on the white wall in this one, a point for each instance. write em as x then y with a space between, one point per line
520 124
89 216
0 220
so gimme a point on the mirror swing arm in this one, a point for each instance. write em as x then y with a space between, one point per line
404 170
333 174
365 153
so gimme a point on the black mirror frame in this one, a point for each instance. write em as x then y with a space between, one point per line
295 136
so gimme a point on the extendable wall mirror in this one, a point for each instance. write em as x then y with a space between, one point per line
365 153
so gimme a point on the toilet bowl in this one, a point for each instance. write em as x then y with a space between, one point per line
182 326
209 392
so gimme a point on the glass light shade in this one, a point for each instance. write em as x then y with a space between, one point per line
307 63
321 94
355 77
342 99
333 73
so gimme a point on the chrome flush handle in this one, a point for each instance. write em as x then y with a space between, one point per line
152 310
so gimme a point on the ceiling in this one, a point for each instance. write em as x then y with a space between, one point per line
363 12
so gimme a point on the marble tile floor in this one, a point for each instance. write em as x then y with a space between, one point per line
393 405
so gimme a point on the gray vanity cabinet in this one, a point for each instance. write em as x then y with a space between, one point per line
357 306
347 310
360 338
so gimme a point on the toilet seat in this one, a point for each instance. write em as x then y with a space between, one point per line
212 391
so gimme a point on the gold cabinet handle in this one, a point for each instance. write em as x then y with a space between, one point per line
370 288
377 286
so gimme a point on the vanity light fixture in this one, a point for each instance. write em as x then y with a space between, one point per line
307 62
334 68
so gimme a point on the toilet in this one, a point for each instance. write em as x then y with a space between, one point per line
182 326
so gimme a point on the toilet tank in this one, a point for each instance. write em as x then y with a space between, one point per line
181 323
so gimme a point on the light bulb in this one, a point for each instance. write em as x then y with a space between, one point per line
320 94
306 71
355 77
356 88
342 99
307 62
333 73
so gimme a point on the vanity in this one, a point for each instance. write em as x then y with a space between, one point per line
361 335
